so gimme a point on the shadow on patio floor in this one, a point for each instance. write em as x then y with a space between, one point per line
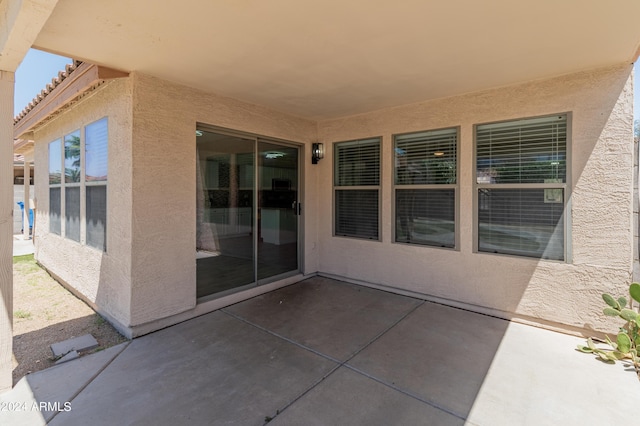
327 352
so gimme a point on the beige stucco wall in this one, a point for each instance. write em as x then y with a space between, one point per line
164 186
601 238
103 279
149 270
147 279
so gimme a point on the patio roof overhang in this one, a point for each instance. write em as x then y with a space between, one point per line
329 59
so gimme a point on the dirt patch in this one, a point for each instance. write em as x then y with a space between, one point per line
44 313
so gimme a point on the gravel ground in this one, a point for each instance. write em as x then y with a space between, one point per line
44 313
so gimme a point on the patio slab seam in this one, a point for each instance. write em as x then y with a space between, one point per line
273 333
91 379
342 363
389 385
404 392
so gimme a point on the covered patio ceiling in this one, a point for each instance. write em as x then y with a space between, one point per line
330 58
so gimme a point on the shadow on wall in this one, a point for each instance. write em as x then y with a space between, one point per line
481 342
598 147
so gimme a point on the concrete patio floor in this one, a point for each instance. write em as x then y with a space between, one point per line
22 246
324 352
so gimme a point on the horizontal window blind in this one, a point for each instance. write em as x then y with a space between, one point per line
525 214
426 158
357 188
425 175
426 216
522 151
357 163
96 203
526 222
55 224
72 213
96 151
357 213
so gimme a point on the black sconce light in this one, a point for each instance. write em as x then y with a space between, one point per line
317 152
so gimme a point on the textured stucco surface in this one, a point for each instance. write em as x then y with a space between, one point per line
102 278
601 184
149 270
164 185
147 279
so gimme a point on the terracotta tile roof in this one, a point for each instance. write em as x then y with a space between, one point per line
55 82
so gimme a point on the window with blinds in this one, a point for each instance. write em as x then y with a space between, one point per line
357 188
55 182
96 166
78 185
521 175
425 178
72 171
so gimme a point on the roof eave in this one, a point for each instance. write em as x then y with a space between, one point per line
65 90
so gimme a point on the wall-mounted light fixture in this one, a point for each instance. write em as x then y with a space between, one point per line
317 152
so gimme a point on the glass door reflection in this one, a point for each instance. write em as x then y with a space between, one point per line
247 212
225 250
278 209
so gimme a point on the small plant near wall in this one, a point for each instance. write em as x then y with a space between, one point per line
626 347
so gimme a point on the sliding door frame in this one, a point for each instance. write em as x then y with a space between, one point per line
257 138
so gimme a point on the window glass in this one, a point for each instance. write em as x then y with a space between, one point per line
97 216
358 163
55 163
426 158
426 216
96 137
425 175
525 214
357 213
54 211
357 180
522 151
522 222
72 213
75 198
72 157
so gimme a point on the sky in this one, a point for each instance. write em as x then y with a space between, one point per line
38 68
34 73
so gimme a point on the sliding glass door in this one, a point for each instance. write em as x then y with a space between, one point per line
278 209
247 212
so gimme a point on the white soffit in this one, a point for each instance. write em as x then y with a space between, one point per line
325 59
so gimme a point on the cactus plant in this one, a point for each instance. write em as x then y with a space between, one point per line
626 347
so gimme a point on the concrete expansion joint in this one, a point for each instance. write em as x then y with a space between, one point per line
409 394
286 339
344 363
95 376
